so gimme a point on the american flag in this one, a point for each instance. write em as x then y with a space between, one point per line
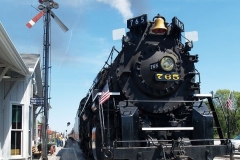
105 94
229 102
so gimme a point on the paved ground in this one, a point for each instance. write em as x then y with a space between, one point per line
71 151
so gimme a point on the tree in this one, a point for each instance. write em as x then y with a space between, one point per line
221 97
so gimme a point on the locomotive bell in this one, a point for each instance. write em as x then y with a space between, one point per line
159 25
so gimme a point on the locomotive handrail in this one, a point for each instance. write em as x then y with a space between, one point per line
84 105
98 94
159 101
187 140
219 129
175 101
209 98
111 94
166 128
95 81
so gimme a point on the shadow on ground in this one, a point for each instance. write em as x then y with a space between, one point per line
71 151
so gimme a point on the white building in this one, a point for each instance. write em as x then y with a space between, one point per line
20 80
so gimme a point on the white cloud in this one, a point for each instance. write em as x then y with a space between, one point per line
123 6
72 3
79 4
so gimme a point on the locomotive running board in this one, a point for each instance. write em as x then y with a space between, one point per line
166 128
202 95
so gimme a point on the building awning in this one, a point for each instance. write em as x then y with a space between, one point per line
11 64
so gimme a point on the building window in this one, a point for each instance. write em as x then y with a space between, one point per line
16 132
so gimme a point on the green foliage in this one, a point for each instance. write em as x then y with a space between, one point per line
221 97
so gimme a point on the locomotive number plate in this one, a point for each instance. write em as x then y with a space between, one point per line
176 22
167 77
137 21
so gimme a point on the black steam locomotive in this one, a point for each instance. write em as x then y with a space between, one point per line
146 103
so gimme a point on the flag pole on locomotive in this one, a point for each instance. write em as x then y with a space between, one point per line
228 105
103 98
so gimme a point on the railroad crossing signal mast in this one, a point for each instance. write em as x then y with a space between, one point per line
45 9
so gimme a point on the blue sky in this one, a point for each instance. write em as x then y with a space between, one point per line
78 55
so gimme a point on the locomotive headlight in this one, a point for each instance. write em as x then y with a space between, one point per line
167 63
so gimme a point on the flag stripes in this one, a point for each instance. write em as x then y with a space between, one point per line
105 94
229 102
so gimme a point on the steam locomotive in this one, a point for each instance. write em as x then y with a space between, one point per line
146 103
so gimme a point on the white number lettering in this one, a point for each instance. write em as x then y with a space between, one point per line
131 21
136 21
142 19
154 66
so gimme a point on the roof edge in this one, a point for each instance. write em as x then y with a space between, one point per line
13 51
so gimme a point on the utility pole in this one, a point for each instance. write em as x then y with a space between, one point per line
46 44
45 9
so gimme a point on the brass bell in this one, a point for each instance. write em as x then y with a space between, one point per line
159 25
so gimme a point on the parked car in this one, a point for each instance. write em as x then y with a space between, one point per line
236 141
